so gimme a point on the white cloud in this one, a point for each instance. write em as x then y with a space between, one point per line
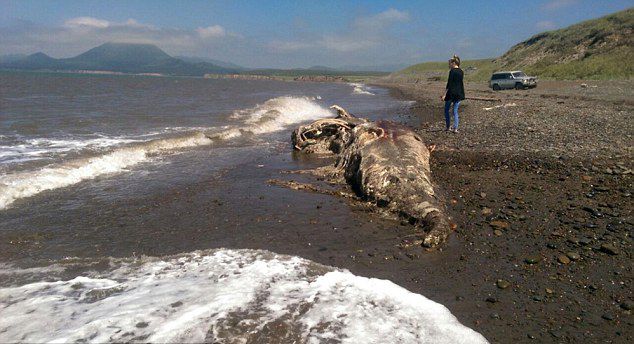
86 22
545 25
558 4
211 31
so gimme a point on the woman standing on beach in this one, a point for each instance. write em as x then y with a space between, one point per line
454 93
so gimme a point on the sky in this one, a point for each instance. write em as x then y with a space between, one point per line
293 33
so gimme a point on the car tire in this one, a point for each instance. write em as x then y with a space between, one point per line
519 86
496 87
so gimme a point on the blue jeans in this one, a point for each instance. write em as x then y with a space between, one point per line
456 105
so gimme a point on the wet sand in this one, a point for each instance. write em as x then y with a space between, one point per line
543 204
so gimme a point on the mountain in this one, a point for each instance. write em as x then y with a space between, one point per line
376 68
11 58
601 48
224 64
119 57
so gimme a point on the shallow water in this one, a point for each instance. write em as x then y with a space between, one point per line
98 170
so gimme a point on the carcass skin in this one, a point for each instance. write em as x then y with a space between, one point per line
386 163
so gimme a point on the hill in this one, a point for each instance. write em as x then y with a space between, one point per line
595 49
119 57
224 64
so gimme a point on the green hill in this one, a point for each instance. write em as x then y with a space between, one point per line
595 49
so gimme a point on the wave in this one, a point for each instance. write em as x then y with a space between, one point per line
273 115
359 88
227 296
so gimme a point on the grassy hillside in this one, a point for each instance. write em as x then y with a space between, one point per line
595 49
475 70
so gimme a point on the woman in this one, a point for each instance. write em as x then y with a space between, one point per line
454 93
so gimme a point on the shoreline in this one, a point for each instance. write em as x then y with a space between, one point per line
537 201
541 228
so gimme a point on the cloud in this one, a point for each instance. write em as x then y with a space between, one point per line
76 35
86 22
545 25
211 31
558 4
364 33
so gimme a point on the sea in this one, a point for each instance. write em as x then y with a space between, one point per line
125 200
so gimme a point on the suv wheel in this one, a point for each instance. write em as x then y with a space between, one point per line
519 86
496 87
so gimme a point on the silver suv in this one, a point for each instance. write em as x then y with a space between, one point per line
515 79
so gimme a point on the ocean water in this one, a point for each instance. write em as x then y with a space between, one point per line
103 235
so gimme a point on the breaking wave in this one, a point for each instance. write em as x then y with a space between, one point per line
273 115
361 89
225 296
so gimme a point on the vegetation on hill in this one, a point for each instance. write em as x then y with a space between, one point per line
601 48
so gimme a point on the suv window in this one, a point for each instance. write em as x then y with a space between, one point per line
519 74
507 76
497 76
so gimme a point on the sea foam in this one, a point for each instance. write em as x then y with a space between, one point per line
359 88
226 296
273 115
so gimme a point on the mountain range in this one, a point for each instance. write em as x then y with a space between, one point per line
148 58
119 57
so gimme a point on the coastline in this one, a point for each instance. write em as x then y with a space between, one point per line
520 186
541 195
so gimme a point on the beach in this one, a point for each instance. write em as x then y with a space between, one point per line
519 201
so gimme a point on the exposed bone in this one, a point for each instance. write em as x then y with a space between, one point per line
342 113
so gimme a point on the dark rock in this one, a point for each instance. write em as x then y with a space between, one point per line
551 245
608 316
627 305
585 241
533 259
609 249
142 324
573 255
491 299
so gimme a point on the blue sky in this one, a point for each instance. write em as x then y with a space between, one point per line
292 33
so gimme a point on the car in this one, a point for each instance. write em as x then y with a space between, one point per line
514 79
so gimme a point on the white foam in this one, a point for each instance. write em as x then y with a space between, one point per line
359 88
227 296
273 115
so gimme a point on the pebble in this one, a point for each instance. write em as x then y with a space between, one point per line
497 232
499 224
608 316
609 249
503 284
627 305
573 255
533 259
563 259
491 299
486 211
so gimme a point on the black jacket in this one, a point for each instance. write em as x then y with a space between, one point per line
455 86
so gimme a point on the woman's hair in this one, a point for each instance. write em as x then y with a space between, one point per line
455 59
